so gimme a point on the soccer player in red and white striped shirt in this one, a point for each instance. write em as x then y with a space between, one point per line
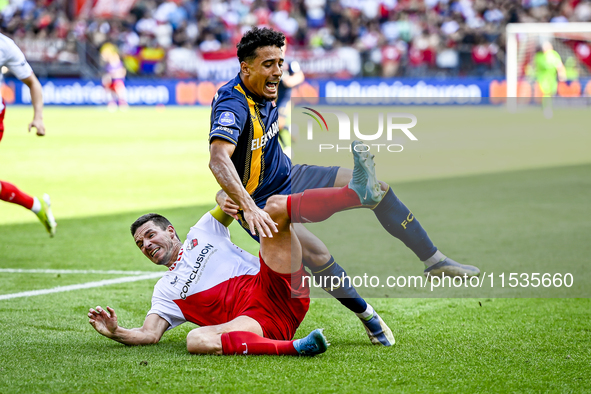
242 303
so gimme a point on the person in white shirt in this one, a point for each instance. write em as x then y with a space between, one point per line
13 58
242 303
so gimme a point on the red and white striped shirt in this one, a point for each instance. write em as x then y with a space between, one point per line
211 280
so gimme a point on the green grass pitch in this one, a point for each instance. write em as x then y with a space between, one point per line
494 189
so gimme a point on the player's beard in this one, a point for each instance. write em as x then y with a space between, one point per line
165 259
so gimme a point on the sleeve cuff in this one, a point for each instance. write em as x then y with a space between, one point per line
219 215
222 136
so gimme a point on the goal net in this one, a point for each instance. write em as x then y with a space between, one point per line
572 41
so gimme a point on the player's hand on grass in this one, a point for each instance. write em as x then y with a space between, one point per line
105 323
260 222
227 204
38 125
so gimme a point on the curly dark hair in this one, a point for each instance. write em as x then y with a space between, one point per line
157 219
257 38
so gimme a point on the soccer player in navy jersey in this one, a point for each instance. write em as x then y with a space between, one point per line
248 163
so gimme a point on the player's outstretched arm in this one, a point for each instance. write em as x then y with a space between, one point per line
37 100
225 173
105 322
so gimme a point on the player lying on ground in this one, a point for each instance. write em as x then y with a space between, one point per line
243 304
14 59
249 165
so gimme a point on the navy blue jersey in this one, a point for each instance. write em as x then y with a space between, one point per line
250 123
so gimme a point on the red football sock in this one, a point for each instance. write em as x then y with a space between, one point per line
316 205
243 342
11 193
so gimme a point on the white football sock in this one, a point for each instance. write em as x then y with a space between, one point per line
436 258
36 205
367 314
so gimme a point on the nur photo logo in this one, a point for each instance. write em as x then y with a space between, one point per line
382 138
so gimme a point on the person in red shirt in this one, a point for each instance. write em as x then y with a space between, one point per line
14 59
243 304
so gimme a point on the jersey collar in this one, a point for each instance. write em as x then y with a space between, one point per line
180 255
260 101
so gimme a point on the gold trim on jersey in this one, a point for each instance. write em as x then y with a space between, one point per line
254 165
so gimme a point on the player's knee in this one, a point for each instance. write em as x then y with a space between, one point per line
276 207
315 260
276 204
194 341
200 342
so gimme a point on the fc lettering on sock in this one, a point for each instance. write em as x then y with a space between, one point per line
409 219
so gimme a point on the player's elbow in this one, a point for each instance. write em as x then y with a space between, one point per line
216 160
145 339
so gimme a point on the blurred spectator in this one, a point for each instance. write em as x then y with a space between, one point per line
210 44
114 77
390 60
483 56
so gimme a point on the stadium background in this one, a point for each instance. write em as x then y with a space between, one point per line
178 52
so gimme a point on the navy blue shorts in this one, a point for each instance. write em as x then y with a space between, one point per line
303 177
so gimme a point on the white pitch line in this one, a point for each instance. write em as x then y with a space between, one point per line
54 271
80 286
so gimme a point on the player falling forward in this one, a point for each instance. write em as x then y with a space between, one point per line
244 304
14 59
249 165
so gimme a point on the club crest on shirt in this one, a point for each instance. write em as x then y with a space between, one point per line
194 242
227 119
